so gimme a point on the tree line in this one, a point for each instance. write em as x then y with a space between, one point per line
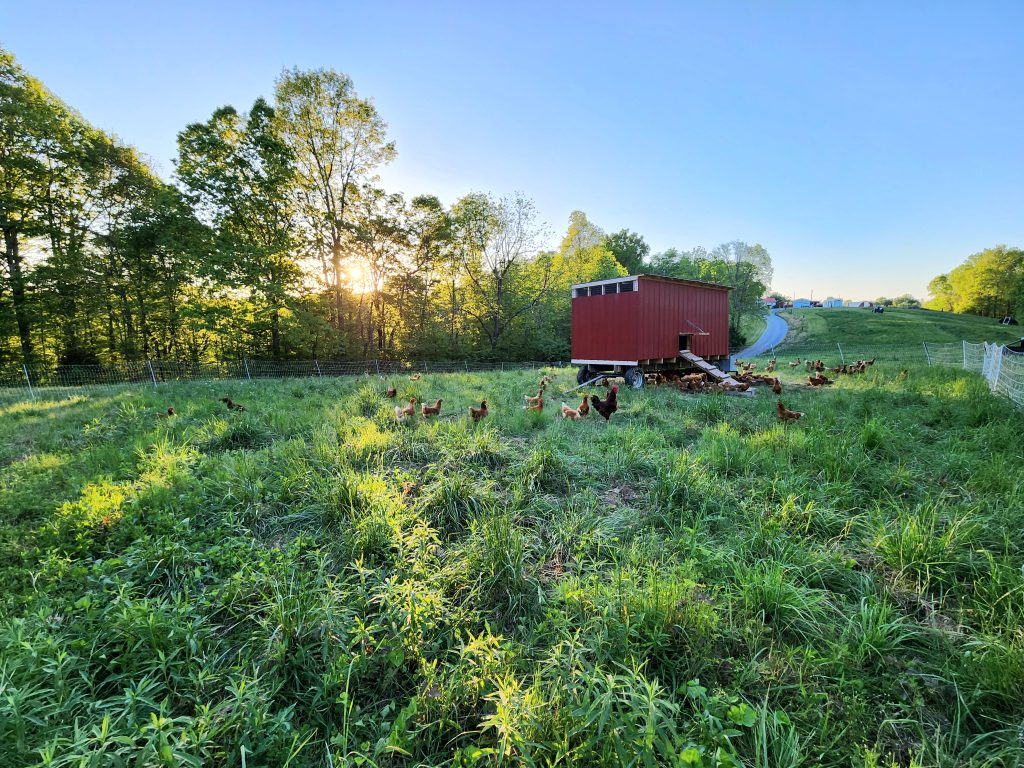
989 283
275 240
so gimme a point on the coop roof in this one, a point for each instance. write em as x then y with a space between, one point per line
697 283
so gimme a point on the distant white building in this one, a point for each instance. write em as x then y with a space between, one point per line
832 303
861 304
800 303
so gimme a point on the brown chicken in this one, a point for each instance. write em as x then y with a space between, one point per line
167 414
570 413
608 406
903 375
426 411
819 380
795 363
536 399
534 404
401 413
477 413
787 415
584 407
777 387
390 392
415 377
232 405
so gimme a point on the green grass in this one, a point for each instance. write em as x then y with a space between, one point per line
752 327
309 584
894 326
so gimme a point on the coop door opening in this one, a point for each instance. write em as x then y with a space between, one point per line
684 342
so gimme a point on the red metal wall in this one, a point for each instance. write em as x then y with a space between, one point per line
646 324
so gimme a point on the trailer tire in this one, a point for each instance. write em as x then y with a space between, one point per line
634 378
583 375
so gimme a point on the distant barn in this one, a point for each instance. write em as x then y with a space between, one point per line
645 324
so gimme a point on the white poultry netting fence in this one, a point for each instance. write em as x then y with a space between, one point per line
1001 366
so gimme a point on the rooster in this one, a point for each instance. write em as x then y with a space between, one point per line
390 392
477 413
787 415
608 406
232 405
402 413
427 411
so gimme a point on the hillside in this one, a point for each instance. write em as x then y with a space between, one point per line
895 326
307 583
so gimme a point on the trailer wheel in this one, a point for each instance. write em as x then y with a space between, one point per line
634 378
584 375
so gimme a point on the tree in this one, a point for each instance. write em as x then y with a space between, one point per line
337 139
496 238
629 249
239 174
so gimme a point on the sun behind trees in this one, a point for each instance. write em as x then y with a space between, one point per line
276 241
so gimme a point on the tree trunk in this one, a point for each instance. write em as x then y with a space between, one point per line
336 265
275 334
13 258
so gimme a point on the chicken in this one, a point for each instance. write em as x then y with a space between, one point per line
777 387
570 413
870 362
401 413
819 380
415 377
584 407
535 403
795 363
787 415
167 414
426 411
536 399
232 405
608 406
771 366
903 375
477 413
390 392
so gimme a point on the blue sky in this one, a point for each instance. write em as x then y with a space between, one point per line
868 146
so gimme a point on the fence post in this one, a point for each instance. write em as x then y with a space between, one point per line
964 342
317 364
842 359
151 374
28 380
466 363
927 356
245 362
377 363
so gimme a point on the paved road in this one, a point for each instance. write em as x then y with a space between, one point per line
775 331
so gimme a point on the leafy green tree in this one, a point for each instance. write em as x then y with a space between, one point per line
496 239
630 250
337 140
239 174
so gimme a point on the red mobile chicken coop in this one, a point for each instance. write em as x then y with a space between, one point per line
641 324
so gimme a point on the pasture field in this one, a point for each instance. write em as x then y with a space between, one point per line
894 326
692 584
